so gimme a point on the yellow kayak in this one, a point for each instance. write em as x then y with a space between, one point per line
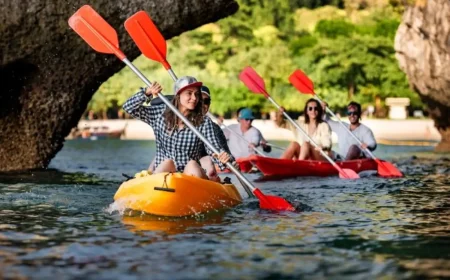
176 195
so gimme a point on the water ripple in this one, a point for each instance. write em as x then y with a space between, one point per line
65 225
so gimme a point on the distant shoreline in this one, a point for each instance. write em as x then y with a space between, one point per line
385 130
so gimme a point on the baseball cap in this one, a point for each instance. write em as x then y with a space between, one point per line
246 113
184 83
205 90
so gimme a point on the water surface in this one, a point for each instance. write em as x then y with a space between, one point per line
59 223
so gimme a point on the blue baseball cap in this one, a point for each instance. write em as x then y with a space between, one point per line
246 113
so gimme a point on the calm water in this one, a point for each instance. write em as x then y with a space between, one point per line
60 224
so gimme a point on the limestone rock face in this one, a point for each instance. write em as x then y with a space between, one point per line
422 45
49 74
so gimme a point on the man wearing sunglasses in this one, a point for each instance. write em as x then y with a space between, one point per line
253 137
348 147
206 161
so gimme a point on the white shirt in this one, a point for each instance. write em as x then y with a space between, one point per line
321 136
238 147
345 140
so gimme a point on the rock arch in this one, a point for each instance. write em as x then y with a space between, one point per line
48 74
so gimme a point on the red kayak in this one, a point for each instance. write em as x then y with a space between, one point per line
292 168
244 165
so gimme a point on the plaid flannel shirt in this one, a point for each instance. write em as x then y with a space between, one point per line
181 146
222 140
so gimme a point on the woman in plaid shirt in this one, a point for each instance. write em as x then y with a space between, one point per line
177 147
205 162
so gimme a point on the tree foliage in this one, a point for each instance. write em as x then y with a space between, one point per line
348 53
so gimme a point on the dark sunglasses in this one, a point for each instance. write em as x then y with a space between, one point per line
207 101
351 113
249 120
313 108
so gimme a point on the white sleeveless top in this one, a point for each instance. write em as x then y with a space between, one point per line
322 135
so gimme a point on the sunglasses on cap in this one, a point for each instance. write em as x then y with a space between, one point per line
313 108
207 101
352 113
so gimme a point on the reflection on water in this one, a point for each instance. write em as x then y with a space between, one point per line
57 223
49 176
137 221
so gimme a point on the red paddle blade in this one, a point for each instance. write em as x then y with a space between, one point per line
301 82
387 169
348 174
253 81
95 31
274 203
147 37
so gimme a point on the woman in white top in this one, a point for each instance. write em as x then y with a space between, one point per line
316 128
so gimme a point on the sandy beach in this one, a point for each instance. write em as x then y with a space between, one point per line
385 130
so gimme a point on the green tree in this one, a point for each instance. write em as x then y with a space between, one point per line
359 68
334 28
349 56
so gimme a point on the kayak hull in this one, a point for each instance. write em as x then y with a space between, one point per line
275 167
245 166
176 195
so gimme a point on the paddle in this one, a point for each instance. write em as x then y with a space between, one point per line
103 38
256 84
300 81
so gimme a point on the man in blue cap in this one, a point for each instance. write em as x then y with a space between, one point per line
253 137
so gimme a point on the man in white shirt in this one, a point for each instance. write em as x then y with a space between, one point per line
238 146
348 147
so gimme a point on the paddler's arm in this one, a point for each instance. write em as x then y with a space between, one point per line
369 140
263 143
222 138
334 125
279 119
209 133
135 105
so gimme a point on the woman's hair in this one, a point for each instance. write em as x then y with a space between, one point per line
319 118
195 116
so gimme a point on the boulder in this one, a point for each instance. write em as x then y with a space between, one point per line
49 73
422 46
